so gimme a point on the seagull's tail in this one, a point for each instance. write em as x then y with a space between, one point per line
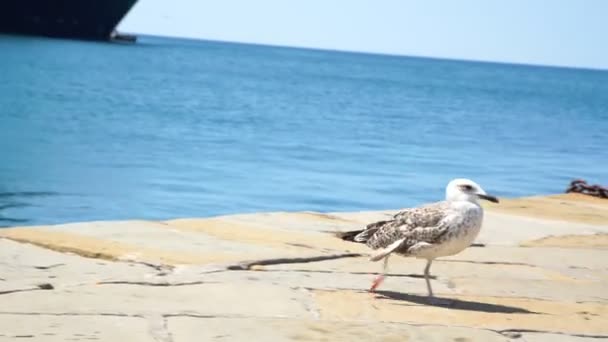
350 236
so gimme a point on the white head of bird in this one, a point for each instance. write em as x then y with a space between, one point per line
462 189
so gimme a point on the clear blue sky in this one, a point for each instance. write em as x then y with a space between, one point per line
549 32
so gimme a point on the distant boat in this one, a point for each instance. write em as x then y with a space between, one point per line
78 19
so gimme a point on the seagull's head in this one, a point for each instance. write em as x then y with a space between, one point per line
462 189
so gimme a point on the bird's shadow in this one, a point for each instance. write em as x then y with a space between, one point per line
457 304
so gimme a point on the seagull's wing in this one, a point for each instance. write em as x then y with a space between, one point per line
424 223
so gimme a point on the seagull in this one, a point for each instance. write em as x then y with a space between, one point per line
428 231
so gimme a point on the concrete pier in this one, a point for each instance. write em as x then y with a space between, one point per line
539 272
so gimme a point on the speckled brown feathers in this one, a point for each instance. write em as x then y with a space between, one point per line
414 224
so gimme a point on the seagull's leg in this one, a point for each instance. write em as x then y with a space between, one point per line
416 250
380 278
427 276
384 253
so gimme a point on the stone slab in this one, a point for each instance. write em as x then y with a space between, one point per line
49 328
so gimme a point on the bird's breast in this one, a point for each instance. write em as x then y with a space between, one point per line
459 237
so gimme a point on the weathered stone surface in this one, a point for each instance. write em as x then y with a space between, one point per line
194 329
216 299
599 240
51 328
497 313
541 274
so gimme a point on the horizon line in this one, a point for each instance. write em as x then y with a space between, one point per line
375 53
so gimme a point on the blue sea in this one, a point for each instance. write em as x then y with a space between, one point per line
170 128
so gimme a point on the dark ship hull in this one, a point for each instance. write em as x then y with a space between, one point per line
79 19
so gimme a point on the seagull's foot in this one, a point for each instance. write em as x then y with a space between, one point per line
377 281
439 301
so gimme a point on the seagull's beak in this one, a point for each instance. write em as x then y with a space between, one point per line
488 198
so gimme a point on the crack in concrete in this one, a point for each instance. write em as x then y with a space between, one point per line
199 315
247 265
20 290
509 333
397 275
231 316
491 262
512 333
111 314
39 287
150 283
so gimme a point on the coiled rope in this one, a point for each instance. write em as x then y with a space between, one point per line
580 186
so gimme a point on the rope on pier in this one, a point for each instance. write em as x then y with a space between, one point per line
580 186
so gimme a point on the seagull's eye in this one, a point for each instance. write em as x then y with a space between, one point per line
466 187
